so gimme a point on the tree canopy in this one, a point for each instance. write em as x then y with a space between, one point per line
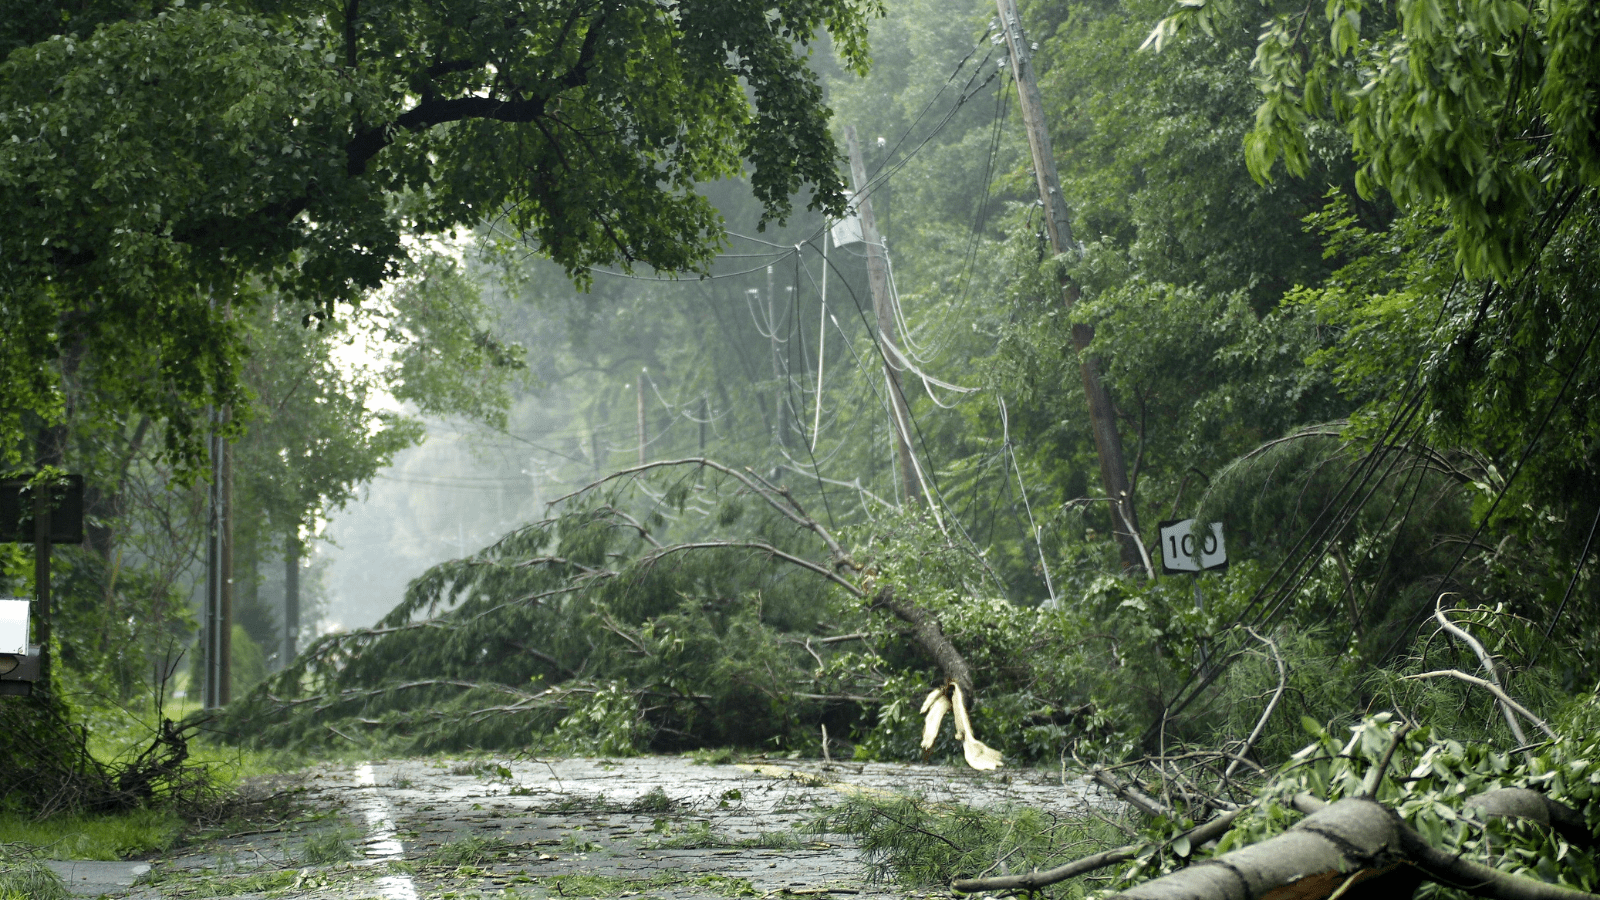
164 163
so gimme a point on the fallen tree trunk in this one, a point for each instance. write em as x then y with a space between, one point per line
1337 846
1342 844
929 636
1522 803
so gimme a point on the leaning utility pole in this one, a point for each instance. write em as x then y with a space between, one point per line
878 278
1102 414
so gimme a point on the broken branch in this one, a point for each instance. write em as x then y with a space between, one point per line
1283 682
1488 667
1494 689
1033 881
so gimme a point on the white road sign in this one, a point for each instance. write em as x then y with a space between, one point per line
1185 550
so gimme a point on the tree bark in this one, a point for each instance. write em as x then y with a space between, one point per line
929 636
1345 843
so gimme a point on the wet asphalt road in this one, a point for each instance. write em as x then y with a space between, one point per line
651 827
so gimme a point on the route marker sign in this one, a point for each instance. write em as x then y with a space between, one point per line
1185 551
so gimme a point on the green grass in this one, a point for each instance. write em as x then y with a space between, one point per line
120 733
24 877
114 836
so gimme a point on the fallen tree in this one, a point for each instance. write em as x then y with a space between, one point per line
672 604
1407 808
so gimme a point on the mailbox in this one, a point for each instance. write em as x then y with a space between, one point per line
19 660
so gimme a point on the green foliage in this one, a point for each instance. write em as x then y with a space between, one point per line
1450 106
919 843
581 634
473 850
163 164
123 835
606 723
1428 782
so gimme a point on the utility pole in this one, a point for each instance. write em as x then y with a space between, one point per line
878 278
211 620
50 452
705 418
1102 413
225 676
41 580
291 594
779 379
639 385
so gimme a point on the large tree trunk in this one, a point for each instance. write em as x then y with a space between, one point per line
1351 842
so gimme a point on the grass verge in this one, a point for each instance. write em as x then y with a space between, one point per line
113 836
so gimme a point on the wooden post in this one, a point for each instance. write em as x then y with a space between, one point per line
780 379
1102 413
41 578
211 613
878 279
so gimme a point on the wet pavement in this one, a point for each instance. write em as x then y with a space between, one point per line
656 828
